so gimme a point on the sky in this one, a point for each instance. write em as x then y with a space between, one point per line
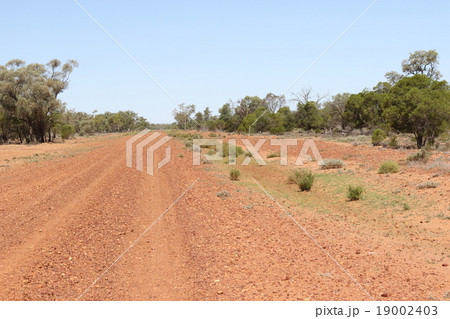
208 52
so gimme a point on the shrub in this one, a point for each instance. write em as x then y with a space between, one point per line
406 206
226 150
378 136
272 155
427 184
294 177
212 135
67 131
393 143
249 154
332 163
354 192
388 167
303 178
223 194
421 156
234 174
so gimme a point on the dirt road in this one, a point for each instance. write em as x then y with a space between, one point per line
64 222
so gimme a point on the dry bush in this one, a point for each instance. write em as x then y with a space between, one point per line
329 163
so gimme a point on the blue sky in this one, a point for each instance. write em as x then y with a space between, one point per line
207 52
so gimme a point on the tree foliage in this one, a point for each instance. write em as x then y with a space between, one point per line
30 110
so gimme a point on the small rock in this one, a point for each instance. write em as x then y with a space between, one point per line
220 292
384 295
444 265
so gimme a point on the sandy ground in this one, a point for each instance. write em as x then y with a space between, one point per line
67 218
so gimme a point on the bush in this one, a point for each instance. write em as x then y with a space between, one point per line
67 131
388 167
332 163
234 174
272 155
421 156
303 178
294 177
223 194
354 192
378 136
427 184
226 150
393 143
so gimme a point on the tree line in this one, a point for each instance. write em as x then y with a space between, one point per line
30 110
415 101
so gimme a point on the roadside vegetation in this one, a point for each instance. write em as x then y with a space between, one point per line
31 111
415 102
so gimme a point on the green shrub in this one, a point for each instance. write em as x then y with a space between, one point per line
226 150
421 156
406 206
354 192
304 178
272 155
427 184
393 143
67 131
234 174
378 136
332 163
294 177
388 167
212 135
249 154
277 130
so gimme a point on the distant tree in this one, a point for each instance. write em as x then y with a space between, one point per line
420 106
67 131
248 105
393 77
274 102
288 118
335 109
422 62
183 115
29 98
308 116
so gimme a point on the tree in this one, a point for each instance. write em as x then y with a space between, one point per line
29 98
422 62
288 118
248 105
393 77
183 115
420 106
308 116
335 109
274 102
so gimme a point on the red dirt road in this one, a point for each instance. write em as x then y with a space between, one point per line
64 222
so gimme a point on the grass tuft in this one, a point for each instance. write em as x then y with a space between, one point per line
388 167
330 163
234 174
354 192
304 178
427 184
421 156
